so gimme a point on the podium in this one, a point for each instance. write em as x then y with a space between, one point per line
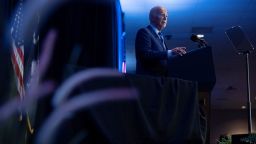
197 65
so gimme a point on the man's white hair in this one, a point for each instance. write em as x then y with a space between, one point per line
154 11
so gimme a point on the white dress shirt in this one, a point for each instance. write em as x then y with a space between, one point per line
169 52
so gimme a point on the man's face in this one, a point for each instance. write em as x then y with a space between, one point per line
160 18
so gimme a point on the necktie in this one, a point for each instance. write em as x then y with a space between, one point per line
162 39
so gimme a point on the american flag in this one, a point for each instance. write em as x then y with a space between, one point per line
17 52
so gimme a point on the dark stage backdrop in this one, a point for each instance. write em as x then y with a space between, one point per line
89 35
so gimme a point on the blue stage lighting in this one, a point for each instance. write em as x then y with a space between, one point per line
145 5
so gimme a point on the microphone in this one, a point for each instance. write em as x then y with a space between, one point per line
201 42
194 38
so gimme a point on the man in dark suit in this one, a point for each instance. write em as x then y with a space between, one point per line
151 51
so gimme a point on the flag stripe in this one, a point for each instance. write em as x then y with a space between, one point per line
21 54
19 77
16 69
19 61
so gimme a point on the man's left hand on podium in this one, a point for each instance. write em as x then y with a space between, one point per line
179 50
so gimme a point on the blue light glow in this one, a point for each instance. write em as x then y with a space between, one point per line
142 5
120 46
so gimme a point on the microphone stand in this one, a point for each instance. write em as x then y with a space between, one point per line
249 104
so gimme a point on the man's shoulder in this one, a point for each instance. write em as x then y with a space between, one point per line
143 30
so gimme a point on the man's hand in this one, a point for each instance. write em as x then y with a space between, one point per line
179 50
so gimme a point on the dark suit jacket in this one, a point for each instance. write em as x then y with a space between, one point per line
151 55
